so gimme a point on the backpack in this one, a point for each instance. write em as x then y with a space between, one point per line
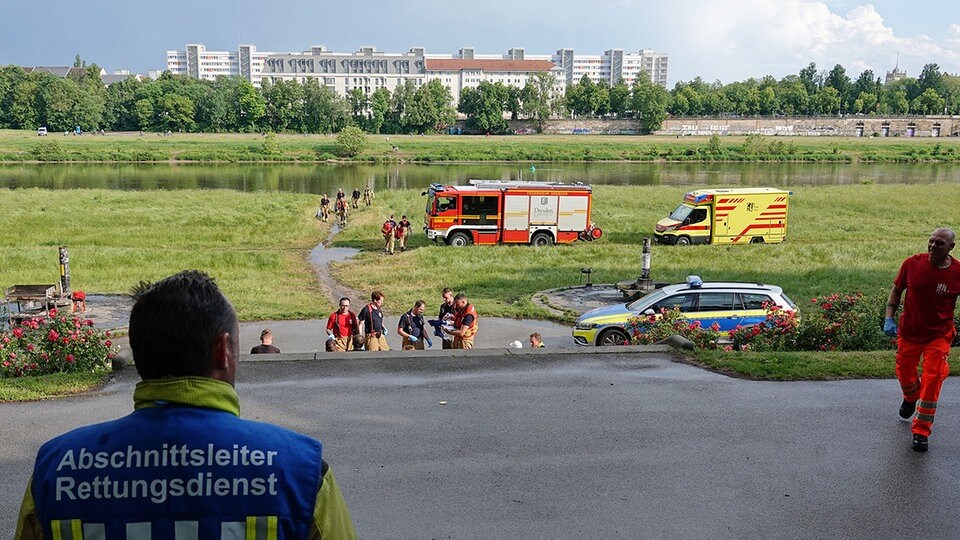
387 227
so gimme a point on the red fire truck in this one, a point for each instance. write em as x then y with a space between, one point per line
495 212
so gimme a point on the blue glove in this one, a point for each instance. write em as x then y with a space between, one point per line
429 343
890 327
329 337
384 331
413 339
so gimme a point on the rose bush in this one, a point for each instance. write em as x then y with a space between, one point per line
649 329
836 322
55 343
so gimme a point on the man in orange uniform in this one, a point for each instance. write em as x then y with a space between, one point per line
932 282
465 323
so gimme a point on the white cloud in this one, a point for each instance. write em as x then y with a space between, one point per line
739 39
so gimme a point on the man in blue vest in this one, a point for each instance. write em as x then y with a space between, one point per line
183 464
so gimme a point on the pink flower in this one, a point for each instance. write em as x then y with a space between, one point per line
70 359
6 363
53 312
53 335
30 347
17 332
88 322
108 343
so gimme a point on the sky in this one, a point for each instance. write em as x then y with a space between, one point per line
717 40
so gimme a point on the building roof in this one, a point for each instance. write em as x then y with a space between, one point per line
456 64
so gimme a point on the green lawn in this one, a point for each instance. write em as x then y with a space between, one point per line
132 147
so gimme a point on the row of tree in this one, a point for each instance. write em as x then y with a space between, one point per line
232 104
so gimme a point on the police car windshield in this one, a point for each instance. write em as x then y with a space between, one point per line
647 300
681 212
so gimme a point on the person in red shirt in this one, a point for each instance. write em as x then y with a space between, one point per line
926 329
342 326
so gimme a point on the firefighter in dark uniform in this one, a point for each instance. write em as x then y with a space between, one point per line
183 463
371 318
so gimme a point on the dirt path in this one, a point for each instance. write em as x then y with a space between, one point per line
320 258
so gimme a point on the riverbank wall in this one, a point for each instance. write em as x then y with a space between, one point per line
847 126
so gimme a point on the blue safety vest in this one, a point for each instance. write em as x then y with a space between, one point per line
181 473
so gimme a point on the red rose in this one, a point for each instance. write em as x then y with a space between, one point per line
70 359
18 332
53 313
53 335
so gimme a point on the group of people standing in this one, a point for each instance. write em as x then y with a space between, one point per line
456 325
395 233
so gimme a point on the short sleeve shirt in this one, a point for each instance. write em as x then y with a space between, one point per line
931 298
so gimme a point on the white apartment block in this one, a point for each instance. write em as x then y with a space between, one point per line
369 69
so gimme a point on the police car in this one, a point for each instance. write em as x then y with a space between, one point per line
728 304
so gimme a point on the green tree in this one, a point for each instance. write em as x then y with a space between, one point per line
812 81
430 108
651 102
175 113
379 109
251 107
119 113
351 141
619 98
929 102
581 97
143 114
827 101
325 111
359 104
285 104
839 81
538 99
485 106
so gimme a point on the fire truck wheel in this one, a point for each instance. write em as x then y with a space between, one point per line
541 239
756 240
459 239
612 337
683 240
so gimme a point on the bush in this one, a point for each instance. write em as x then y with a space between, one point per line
351 141
649 329
54 344
48 150
838 322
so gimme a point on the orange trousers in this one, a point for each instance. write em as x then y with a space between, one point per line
925 388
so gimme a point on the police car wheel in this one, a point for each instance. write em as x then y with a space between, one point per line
612 337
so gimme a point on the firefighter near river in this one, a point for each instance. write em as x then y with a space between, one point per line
500 212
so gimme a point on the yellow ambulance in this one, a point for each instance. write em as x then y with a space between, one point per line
727 216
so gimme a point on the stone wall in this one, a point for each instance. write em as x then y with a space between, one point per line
848 126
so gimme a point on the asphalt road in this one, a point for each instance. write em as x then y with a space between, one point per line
551 444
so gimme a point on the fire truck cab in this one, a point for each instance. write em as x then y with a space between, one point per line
502 212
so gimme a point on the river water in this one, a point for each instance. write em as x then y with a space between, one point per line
326 178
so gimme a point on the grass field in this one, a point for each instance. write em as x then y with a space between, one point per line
840 239
127 147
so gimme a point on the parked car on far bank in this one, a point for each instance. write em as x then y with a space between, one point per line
729 304
42 131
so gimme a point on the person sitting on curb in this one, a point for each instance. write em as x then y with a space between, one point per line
536 341
266 344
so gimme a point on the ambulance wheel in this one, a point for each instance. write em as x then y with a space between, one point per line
683 240
541 239
613 336
459 239
756 240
